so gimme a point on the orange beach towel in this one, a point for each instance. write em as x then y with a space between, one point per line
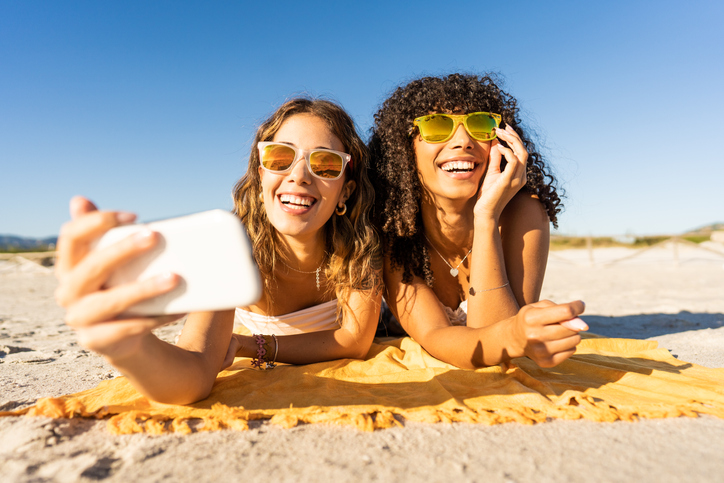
606 380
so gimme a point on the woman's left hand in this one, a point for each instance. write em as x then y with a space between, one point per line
499 186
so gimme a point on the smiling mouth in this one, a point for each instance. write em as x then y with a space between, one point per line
458 166
295 201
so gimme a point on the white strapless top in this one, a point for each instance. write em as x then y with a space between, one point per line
312 319
458 316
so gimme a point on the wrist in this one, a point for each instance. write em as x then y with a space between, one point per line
247 347
512 347
486 221
127 352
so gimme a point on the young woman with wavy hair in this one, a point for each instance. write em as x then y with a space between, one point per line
305 200
464 202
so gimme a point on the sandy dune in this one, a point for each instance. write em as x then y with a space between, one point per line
674 296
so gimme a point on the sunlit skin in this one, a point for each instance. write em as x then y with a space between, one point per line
477 205
299 205
459 151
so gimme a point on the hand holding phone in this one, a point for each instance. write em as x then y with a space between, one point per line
210 251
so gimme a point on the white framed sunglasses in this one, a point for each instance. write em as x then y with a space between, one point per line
325 164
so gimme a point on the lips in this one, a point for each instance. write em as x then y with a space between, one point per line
296 201
456 166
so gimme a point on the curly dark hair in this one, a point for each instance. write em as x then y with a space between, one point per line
394 171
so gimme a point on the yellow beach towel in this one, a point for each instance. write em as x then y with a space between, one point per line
607 380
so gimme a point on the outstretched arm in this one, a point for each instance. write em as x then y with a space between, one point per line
159 370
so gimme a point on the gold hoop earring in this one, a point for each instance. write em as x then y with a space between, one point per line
261 197
341 211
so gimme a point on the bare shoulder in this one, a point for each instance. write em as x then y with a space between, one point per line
525 207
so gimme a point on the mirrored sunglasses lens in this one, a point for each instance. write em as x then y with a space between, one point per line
480 126
326 165
277 157
435 129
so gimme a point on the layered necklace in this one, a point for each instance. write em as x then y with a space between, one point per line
316 272
453 270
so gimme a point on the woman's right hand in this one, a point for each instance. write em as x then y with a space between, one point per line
93 310
498 186
546 332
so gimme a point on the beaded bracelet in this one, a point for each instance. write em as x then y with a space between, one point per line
263 352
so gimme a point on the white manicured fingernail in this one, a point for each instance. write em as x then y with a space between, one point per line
166 280
125 217
575 324
143 238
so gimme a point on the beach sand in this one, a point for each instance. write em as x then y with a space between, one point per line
672 295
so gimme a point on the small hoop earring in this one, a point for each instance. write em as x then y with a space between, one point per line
341 211
261 197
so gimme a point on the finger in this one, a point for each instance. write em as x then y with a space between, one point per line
556 359
93 271
556 313
510 136
514 141
541 303
515 170
80 206
495 159
77 235
545 351
575 324
108 304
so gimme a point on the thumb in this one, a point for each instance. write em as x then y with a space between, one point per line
80 206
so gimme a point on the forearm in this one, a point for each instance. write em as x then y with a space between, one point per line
312 347
525 232
471 348
490 298
166 373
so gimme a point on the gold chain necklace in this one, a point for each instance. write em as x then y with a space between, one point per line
316 272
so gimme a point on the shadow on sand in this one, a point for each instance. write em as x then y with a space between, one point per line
644 326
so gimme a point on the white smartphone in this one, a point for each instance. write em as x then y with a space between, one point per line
210 251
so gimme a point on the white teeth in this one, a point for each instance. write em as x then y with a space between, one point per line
296 200
458 166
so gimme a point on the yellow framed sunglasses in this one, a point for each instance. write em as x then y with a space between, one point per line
438 127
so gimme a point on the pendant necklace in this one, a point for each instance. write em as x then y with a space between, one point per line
316 272
453 270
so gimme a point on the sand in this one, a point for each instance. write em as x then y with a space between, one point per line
676 300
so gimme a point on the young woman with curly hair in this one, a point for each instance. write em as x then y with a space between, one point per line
463 205
305 200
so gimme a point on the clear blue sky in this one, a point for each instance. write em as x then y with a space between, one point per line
151 106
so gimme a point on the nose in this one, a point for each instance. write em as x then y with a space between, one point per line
461 138
300 171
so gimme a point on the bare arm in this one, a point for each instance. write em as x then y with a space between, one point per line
525 233
352 340
183 373
543 331
159 370
492 297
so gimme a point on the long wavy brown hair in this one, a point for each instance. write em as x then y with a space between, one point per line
352 243
394 170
